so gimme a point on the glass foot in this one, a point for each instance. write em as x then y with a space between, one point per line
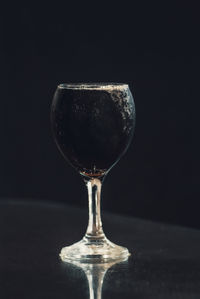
94 250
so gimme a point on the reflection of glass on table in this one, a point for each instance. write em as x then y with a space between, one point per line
95 273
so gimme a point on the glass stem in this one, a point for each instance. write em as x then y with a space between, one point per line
94 229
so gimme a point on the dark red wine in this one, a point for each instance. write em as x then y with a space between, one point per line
93 124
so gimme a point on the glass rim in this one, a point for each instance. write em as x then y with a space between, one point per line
93 86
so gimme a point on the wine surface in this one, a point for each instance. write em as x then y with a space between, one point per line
93 127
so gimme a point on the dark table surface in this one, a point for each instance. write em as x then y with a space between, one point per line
165 260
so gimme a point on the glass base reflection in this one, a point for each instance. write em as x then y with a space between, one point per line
95 273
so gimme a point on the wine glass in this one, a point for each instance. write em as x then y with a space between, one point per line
93 124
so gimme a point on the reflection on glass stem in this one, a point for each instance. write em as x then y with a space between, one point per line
95 273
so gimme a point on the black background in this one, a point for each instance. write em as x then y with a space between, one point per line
153 48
